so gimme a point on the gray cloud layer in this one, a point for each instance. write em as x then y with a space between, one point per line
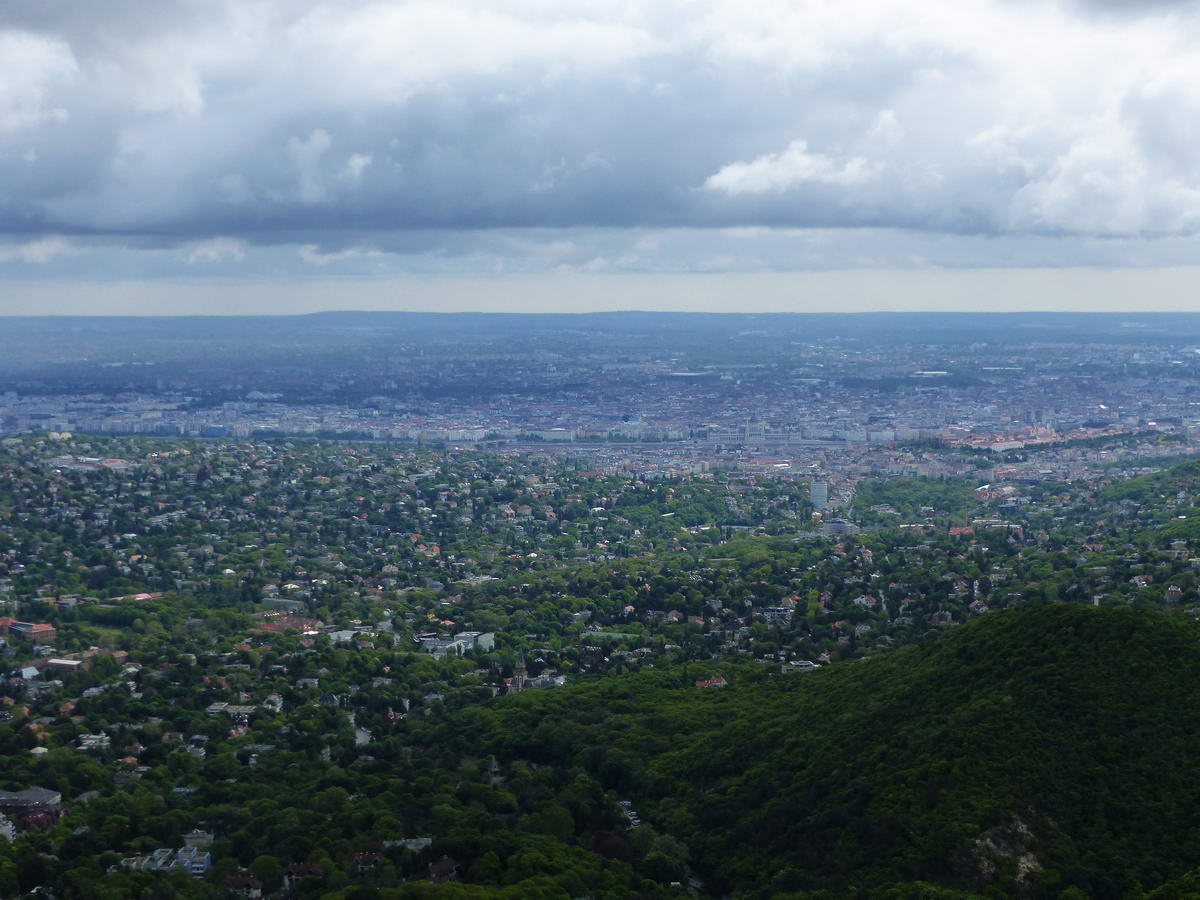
162 139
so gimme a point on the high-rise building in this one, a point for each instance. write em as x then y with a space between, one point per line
818 493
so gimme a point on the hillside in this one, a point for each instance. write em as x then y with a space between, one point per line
1031 751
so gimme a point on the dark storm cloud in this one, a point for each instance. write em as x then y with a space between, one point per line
207 133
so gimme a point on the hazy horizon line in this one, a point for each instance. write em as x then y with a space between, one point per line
1063 290
606 312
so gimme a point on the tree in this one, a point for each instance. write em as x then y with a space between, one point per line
267 870
553 820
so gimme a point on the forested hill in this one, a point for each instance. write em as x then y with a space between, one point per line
1037 750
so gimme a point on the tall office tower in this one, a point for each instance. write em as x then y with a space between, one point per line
819 494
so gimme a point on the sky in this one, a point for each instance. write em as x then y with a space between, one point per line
276 156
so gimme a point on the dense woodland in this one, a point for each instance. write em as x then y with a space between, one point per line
750 709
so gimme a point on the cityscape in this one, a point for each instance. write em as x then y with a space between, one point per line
655 395
227 581
523 450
